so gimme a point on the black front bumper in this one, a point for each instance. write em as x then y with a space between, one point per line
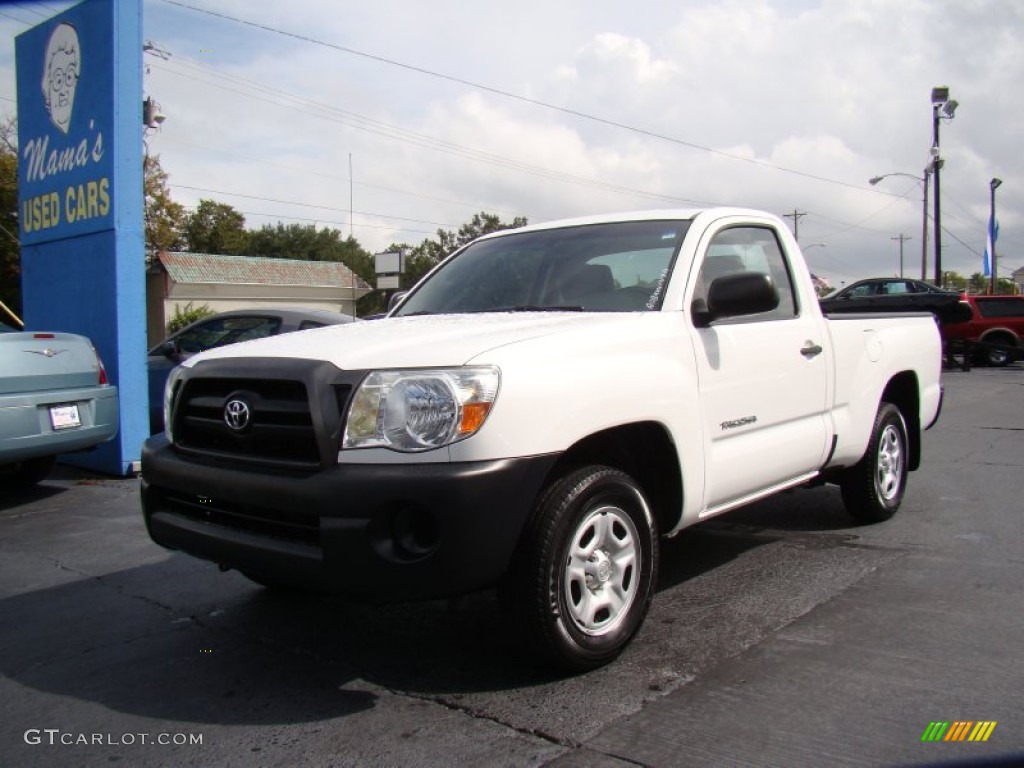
388 532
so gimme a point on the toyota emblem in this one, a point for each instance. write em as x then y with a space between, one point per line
237 415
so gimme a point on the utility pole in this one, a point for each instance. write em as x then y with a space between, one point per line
902 238
795 216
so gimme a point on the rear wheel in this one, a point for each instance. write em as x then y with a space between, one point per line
584 574
999 352
873 488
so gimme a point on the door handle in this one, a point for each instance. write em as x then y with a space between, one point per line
811 349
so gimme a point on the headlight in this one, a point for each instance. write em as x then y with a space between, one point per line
420 409
170 388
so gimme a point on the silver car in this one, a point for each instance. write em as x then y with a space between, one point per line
54 398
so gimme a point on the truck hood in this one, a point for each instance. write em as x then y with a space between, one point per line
414 342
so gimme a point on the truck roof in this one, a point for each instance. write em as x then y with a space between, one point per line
674 214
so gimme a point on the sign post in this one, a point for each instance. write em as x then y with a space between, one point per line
80 206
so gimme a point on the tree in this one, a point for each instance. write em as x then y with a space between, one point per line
977 283
165 219
186 316
10 247
300 241
216 228
422 258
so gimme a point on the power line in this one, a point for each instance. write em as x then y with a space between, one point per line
335 177
428 142
511 95
795 216
309 106
15 18
302 205
439 145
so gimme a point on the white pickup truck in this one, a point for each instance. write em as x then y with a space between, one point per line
535 414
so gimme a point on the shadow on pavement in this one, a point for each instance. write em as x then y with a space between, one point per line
176 640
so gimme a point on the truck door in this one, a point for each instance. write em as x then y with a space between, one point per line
762 378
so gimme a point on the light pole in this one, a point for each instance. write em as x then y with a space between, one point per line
923 181
993 185
943 108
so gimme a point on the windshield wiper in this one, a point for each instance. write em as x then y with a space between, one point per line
532 308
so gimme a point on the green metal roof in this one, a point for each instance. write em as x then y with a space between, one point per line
194 268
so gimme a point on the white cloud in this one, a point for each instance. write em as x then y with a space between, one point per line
836 89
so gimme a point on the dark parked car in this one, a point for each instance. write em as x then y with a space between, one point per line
897 294
218 331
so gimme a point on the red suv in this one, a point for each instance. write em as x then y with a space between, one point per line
996 328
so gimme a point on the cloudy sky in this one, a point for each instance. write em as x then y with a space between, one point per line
552 109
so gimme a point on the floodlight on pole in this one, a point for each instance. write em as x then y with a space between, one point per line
943 108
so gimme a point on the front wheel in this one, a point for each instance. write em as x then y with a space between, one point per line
584 574
873 488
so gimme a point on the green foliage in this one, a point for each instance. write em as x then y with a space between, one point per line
298 241
10 248
187 316
165 219
422 258
216 228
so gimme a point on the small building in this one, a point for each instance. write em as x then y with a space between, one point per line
177 279
1018 279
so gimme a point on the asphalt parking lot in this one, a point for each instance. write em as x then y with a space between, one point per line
781 634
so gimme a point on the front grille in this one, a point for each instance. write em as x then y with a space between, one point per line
279 425
278 412
291 525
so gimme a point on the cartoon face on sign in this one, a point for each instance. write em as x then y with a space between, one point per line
60 74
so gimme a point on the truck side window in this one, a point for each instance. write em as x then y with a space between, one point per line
749 249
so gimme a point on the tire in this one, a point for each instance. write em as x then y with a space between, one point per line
873 488
584 574
998 356
33 471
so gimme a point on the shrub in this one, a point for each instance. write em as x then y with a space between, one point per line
187 315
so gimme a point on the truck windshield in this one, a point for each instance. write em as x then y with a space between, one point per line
615 267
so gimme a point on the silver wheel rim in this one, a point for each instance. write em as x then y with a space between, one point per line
602 570
889 468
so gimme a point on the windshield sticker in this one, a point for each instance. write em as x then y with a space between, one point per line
653 301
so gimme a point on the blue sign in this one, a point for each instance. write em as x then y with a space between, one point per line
80 197
65 126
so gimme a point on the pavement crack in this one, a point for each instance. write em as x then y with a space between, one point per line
476 714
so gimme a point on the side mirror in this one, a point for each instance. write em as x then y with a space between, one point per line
746 293
167 349
396 298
